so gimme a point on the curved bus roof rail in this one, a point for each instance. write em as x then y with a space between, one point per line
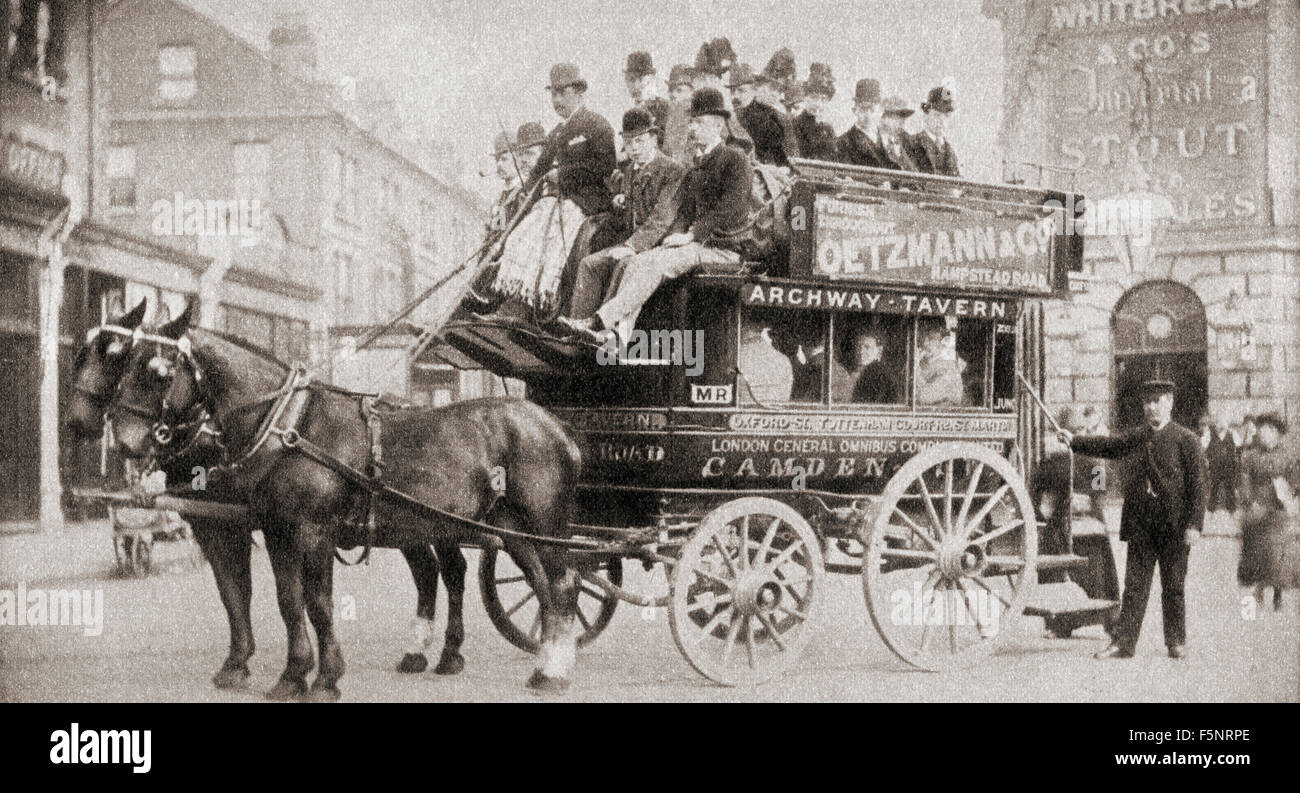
823 170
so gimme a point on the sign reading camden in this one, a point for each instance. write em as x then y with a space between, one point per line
904 243
1165 98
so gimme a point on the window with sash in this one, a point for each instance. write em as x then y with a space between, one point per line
177 74
120 170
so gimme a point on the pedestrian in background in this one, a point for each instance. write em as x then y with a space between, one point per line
1268 481
1223 454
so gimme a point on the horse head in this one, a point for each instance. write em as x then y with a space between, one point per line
159 387
97 370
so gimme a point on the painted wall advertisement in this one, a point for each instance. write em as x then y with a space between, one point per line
1161 97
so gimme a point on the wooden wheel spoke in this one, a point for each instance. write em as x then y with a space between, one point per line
786 555
767 540
907 553
718 600
952 623
749 643
947 498
970 495
726 557
969 608
598 594
732 633
771 631
1002 562
715 579
916 529
1010 526
514 579
802 616
986 509
531 594
929 504
744 542
586 626
535 632
1005 603
713 623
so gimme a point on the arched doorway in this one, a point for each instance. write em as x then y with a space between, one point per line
1158 330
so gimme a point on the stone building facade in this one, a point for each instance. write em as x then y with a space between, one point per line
1178 119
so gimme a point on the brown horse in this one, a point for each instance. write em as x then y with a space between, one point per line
226 544
506 462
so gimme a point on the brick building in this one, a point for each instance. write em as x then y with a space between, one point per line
1180 119
349 224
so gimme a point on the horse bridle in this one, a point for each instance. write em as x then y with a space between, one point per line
163 431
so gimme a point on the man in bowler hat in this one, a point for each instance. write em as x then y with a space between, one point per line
930 147
638 76
1164 508
647 194
712 225
770 129
816 137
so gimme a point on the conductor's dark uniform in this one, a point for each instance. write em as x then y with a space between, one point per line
1164 499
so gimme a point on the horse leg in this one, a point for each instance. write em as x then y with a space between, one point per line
287 564
318 581
453 575
424 569
564 631
544 677
228 548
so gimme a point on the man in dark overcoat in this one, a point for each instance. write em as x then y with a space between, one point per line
1162 517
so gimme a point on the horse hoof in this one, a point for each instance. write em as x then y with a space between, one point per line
547 685
232 678
450 664
324 694
286 690
413 663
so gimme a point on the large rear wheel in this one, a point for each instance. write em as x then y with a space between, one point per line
951 558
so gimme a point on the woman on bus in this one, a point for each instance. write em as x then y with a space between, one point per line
939 369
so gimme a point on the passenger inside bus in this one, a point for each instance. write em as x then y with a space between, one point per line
766 375
874 352
938 367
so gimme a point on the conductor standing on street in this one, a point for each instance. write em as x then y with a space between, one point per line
1164 507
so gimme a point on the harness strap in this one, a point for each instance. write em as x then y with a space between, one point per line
295 442
375 470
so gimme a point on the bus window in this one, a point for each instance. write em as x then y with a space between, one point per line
952 362
870 365
781 356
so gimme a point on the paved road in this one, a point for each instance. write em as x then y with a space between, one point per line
165 635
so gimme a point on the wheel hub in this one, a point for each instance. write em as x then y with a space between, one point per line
757 592
959 559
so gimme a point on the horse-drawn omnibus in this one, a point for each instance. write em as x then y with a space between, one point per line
868 406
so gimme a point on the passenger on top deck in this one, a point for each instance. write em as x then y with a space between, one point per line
647 195
930 148
712 225
938 369
577 157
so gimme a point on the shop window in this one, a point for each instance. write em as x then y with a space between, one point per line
121 177
869 361
177 68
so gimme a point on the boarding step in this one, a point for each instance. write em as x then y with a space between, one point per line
1064 561
1066 597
